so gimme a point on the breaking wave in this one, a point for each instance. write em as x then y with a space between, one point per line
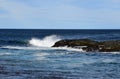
69 49
48 41
40 48
38 44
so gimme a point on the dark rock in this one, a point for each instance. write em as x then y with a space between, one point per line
72 43
90 45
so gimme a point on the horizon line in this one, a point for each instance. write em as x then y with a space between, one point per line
52 29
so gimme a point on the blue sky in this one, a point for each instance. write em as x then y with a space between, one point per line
60 14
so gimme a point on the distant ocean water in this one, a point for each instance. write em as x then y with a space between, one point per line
27 54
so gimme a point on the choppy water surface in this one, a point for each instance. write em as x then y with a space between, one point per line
27 54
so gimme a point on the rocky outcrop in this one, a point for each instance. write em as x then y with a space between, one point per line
90 45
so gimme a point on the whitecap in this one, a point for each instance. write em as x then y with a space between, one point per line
47 41
112 52
69 49
42 48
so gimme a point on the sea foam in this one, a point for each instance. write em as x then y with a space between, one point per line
47 41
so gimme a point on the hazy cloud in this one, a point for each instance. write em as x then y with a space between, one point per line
50 13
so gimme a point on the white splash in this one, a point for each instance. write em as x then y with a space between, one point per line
48 41
42 48
69 49
112 52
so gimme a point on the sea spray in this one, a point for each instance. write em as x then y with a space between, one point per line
47 41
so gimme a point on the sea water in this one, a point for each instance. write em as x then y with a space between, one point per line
27 54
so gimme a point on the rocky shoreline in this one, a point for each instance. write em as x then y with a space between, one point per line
90 45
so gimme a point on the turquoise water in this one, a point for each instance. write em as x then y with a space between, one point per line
27 54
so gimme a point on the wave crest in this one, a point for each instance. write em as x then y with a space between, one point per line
47 41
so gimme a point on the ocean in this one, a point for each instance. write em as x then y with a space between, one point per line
27 54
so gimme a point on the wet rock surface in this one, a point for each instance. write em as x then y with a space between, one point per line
90 45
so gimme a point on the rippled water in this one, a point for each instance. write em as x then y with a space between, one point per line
25 61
